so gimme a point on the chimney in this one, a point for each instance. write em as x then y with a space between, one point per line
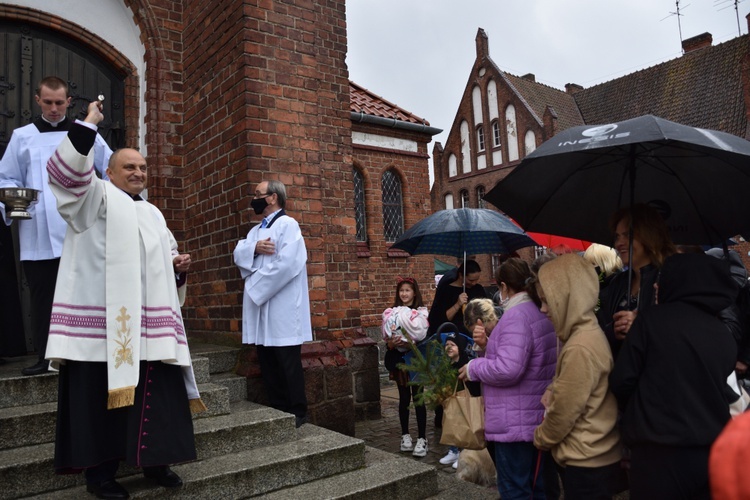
483 48
530 77
572 88
697 42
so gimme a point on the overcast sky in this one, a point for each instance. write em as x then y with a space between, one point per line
417 53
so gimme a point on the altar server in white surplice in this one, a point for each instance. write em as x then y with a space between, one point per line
276 304
41 237
126 381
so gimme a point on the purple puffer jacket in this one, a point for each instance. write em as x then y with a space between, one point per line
518 365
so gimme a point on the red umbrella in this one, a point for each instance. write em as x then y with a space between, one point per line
553 241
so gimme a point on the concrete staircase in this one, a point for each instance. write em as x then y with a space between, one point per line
244 449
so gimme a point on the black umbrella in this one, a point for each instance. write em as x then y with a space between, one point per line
698 179
463 231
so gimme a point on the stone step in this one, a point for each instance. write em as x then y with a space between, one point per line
201 369
35 423
385 477
236 385
29 469
27 425
221 358
315 454
19 390
216 399
209 363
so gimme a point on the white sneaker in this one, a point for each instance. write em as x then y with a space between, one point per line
450 458
455 464
420 449
406 444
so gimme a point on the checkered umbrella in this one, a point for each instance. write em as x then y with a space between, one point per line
463 231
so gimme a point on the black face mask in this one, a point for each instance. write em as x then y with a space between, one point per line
259 204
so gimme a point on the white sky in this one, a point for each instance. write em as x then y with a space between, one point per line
417 53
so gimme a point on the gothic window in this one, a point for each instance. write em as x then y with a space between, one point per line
529 142
393 211
449 201
510 126
360 216
480 198
465 148
464 198
452 168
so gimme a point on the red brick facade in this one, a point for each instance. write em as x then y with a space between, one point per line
379 267
240 91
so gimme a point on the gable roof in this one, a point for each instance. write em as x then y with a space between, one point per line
702 88
369 103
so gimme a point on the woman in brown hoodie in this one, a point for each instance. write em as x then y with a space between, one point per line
580 425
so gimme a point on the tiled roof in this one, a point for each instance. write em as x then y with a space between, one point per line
538 96
364 101
702 88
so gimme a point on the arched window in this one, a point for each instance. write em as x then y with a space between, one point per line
480 197
465 148
452 168
393 211
360 217
476 102
510 125
464 198
529 142
449 201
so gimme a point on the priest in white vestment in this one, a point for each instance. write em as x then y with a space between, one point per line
127 386
275 304
41 237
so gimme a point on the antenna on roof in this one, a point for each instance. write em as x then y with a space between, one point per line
725 4
677 13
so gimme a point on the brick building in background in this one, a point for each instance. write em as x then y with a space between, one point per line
502 117
220 95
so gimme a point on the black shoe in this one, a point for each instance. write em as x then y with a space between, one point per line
163 475
38 369
107 489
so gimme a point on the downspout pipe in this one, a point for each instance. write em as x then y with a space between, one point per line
360 117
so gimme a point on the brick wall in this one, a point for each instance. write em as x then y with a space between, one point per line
380 268
267 98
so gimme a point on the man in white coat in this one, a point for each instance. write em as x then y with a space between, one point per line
276 305
41 237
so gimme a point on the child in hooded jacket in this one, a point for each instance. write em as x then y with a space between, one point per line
456 346
580 425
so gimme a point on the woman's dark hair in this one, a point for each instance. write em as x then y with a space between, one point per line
418 302
471 267
515 273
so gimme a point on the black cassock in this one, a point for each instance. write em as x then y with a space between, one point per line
156 430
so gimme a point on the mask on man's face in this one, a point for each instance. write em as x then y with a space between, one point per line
259 204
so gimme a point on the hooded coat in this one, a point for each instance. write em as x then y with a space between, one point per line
671 374
580 427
